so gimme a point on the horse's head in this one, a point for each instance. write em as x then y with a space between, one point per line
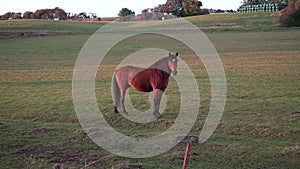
172 62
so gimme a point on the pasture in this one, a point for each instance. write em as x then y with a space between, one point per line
259 127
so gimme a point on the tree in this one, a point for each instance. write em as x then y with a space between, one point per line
125 12
43 14
50 14
191 7
172 6
159 8
28 15
6 16
60 13
17 15
290 16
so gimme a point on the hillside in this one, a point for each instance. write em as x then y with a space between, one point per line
259 21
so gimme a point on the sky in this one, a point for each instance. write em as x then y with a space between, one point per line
107 8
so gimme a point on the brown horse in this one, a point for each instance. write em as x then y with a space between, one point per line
154 78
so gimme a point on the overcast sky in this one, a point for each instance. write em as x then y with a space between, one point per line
102 8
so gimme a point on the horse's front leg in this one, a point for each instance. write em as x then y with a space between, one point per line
157 93
122 99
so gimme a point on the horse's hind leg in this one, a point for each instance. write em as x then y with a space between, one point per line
157 93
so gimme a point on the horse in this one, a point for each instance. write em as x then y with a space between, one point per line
154 78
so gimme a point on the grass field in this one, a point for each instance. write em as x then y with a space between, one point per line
259 127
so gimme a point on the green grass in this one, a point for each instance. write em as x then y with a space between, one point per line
260 124
257 21
59 27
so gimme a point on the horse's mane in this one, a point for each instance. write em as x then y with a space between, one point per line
162 64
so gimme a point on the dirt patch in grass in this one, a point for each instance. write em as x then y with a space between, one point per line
293 151
40 130
63 153
29 34
134 166
220 27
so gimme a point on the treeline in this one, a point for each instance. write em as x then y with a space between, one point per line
181 8
169 10
50 14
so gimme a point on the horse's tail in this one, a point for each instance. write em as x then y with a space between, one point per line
116 93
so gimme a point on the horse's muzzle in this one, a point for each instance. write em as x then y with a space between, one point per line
174 72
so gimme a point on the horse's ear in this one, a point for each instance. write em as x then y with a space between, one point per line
176 53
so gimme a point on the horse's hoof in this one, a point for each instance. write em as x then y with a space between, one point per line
157 115
116 110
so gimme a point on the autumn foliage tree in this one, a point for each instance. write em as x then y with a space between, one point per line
60 13
50 14
28 15
191 7
6 16
183 8
290 16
